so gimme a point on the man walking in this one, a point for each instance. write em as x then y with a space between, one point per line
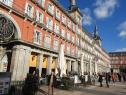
100 79
51 83
107 79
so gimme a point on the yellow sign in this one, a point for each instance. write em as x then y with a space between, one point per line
45 62
33 61
53 64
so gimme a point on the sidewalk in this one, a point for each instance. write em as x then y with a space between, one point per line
61 92
82 90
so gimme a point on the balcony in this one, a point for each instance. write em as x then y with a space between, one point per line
7 2
56 31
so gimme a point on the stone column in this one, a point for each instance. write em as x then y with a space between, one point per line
26 63
90 66
49 65
75 66
40 61
82 64
19 63
15 62
69 66
96 67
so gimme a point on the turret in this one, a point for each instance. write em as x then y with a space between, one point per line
72 4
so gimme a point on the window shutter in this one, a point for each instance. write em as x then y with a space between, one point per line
26 7
47 22
37 15
42 18
32 11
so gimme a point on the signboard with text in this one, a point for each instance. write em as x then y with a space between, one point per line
5 79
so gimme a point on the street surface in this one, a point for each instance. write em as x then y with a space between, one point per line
114 89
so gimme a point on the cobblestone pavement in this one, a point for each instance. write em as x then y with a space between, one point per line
114 89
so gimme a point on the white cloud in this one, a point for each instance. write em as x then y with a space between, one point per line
87 19
122 49
122 29
105 8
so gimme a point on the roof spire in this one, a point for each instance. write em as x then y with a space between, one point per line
96 35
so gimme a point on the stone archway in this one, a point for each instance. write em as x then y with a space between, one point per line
9 30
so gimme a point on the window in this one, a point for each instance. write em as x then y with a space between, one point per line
73 39
49 23
57 14
56 29
77 41
68 49
47 41
29 10
63 33
68 36
69 23
37 37
63 19
73 27
7 2
78 18
56 45
77 30
72 52
41 2
39 17
50 8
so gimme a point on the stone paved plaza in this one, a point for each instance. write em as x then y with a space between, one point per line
114 89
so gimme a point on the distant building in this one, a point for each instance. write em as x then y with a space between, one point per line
118 60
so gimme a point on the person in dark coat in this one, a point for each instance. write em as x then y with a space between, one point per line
119 77
107 79
51 83
31 84
100 79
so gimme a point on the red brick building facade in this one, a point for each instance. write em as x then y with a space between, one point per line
118 60
40 27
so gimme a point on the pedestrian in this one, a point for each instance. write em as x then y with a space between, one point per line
119 77
100 80
86 79
124 76
51 83
93 79
31 85
75 80
113 77
107 79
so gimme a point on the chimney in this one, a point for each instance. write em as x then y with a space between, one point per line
72 4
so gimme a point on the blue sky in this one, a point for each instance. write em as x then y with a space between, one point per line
110 16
